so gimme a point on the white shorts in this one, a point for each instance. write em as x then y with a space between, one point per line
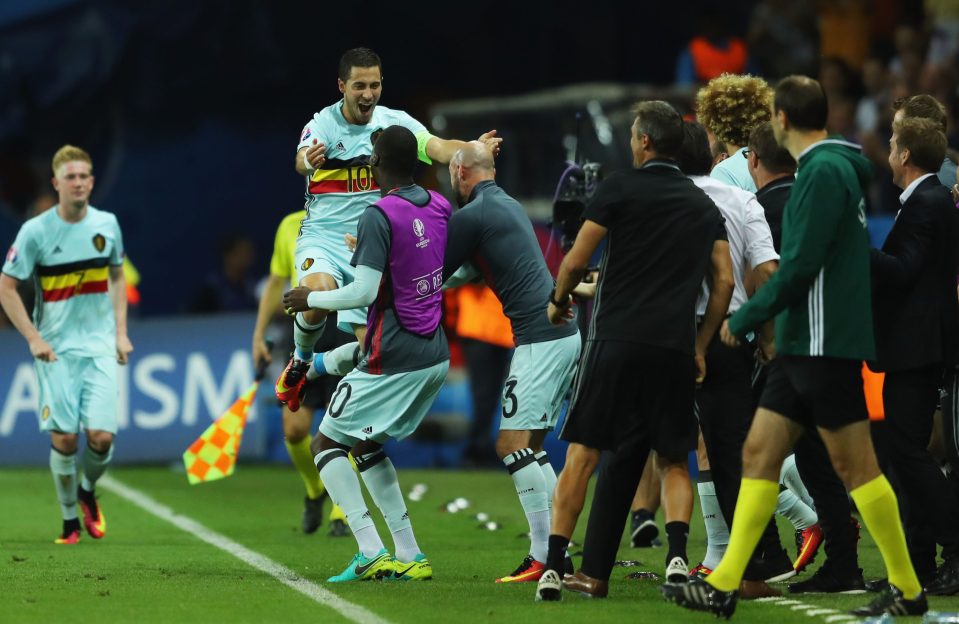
540 375
381 407
321 255
78 392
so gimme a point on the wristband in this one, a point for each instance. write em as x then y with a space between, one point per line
558 304
310 168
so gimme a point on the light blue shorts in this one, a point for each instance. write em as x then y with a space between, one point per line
78 392
381 407
316 254
540 375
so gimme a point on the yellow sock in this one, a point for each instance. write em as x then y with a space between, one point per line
337 514
303 460
880 513
754 508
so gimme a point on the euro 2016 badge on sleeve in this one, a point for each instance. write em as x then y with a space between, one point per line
99 242
12 255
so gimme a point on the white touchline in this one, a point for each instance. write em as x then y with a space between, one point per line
832 615
288 577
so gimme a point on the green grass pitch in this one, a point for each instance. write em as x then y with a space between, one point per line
147 570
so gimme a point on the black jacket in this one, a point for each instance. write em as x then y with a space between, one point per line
914 283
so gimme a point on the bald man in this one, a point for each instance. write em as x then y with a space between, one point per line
494 238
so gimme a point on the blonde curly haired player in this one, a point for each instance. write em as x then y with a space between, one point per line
730 106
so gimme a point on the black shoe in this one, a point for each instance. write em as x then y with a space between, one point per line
313 513
946 582
776 567
877 585
825 582
893 602
338 528
698 595
644 532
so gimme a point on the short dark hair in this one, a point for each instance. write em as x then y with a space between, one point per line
695 157
924 106
358 57
662 124
924 139
774 157
804 102
396 152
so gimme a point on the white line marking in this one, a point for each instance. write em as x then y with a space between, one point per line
840 618
818 611
263 563
802 607
832 615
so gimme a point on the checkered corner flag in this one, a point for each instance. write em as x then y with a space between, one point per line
213 455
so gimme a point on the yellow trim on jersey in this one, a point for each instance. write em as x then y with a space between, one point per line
70 280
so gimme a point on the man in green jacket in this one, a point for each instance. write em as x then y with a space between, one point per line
821 300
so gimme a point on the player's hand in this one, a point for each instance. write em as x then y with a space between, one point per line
727 336
124 346
316 154
350 241
261 352
491 141
296 300
700 359
559 316
766 352
41 350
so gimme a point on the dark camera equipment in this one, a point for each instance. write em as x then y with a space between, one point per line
576 186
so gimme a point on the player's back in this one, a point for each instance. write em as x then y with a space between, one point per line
509 257
71 264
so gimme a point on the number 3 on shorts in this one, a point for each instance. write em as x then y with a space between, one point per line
343 393
509 396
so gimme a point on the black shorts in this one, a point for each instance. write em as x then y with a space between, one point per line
626 391
822 392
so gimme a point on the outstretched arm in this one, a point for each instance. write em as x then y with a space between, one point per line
442 150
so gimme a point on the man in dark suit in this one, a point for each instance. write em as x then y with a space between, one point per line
916 319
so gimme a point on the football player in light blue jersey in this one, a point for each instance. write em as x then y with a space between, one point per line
334 156
78 333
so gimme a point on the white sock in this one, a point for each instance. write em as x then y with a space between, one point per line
789 476
338 361
717 533
549 474
64 469
791 507
531 488
94 465
305 336
344 488
379 475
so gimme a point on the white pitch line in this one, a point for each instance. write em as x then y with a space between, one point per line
288 577
831 615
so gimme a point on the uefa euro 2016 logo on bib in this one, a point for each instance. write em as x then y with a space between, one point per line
418 227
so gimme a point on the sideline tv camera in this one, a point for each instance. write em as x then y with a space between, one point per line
576 187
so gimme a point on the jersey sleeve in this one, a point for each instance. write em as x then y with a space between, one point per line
119 251
422 135
372 240
604 207
759 238
310 131
22 255
462 237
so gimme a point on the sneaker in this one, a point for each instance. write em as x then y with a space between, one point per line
70 534
700 571
289 385
892 601
644 534
339 528
550 587
807 545
677 571
363 568
698 595
529 570
825 582
417 570
93 519
313 513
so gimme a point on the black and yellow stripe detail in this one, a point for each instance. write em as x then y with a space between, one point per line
60 282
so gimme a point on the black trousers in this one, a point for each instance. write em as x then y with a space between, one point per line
927 503
949 400
726 407
619 475
487 365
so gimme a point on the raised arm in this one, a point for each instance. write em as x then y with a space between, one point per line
442 150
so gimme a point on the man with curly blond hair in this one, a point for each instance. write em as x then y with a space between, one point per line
730 106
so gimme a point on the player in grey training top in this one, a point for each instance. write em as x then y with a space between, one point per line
492 235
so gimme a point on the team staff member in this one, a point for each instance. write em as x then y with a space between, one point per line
296 425
820 300
636 384
914 301
78 333
492 232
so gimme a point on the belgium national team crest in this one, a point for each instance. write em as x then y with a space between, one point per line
99 242
306 264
